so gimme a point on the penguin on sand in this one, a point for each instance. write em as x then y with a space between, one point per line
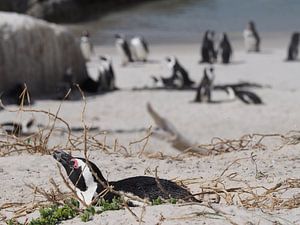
107 74
205 87
225 49
208 53
123 49
251 38
139 48
179 76
89 183
86 46
293 47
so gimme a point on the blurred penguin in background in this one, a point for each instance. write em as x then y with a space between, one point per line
123 49
251 38
208 53
204 90
86 46
225 49
293 47
106 74
139 48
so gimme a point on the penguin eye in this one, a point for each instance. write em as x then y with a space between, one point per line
75 163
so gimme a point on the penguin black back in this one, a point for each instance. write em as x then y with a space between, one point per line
78 171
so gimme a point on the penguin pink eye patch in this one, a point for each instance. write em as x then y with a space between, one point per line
75 165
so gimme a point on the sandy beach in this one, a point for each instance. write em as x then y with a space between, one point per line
123 115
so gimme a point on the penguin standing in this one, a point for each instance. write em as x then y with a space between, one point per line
251 38
293 47
225 49
208 52
89 183
139 48
180 77
123 49
86 46
205 87
106 74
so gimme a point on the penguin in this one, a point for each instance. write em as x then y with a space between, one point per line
106 74
245 96
139 48
208 52
86 46
293 47
89 183
17 129
123 49
180 77
225 49
251 38
205 87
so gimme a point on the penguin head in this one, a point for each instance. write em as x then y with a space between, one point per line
119 36
171 60
103 58
251 25
85 34
73 167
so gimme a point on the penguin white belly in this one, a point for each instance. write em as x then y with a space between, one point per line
138 50
121 52
250 41
86 50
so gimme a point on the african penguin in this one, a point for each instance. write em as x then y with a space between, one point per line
17 129
123 49
204 90
293 47
86 46
139 48
179 76
88 187
225 49
245 96
208 52
107 75
251 38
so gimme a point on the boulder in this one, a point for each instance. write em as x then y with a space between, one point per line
37 53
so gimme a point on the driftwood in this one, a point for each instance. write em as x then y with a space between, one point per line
177 140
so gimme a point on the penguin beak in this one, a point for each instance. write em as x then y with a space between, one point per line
62 157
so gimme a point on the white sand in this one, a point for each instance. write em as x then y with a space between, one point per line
125 109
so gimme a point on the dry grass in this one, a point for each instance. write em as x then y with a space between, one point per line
242 195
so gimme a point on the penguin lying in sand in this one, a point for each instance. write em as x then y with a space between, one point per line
17 129
245 96
88 187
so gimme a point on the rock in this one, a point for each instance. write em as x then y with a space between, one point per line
64 10
37 53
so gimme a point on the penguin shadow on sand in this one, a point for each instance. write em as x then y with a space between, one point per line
238 91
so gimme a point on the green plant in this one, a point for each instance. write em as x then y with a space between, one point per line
87 214
115 204
157 201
